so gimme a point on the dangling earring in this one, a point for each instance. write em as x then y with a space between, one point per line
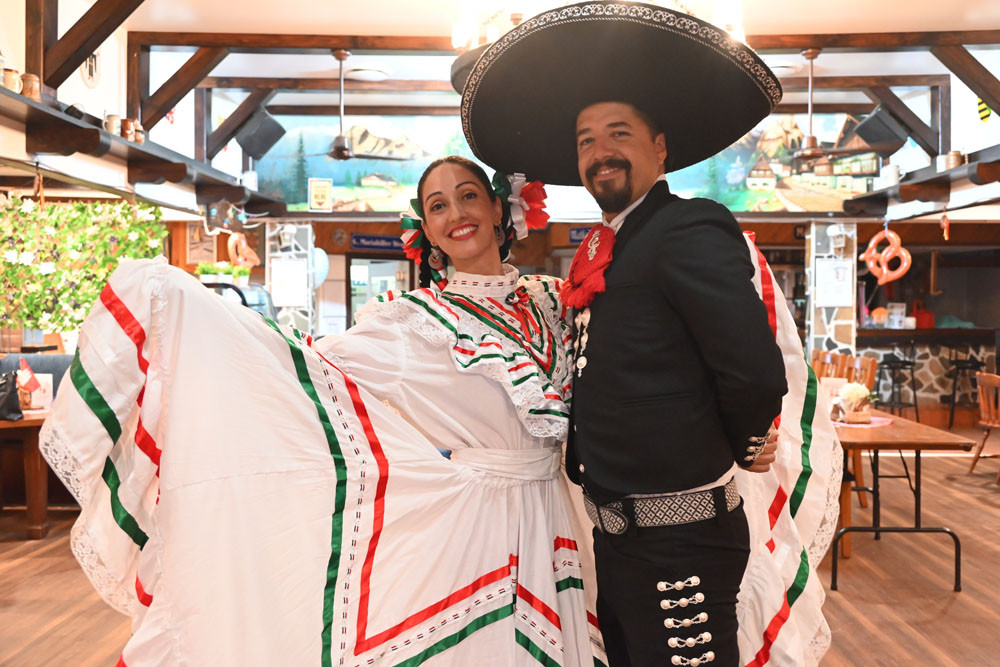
501 237
436 257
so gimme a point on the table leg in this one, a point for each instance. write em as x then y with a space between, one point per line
876 497
36 487
845 518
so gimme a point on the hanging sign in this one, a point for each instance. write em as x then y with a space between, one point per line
379 242
834 282
321 194
577 234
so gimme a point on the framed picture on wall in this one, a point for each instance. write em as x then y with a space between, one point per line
200 246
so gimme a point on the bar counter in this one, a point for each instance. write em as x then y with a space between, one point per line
954 337
932 349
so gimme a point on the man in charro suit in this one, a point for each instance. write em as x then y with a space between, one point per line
678 378
678 374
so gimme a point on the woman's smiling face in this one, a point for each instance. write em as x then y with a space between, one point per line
460 218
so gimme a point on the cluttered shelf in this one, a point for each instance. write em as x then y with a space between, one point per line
54 131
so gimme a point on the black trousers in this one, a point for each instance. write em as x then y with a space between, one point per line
631 598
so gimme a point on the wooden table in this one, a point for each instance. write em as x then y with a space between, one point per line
903 435
36 470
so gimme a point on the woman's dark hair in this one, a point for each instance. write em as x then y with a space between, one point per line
477 171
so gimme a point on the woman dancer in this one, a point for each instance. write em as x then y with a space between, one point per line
252 500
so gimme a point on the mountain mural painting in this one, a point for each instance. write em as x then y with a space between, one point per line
359 184
758 173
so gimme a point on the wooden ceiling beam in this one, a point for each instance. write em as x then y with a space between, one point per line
357 110
76 45
799 83
263 42
272 209
925 137
260 42
871 41
325 84
159 172
202 123
136 78
229 127
852 108
985 172
972 73
180 84
59 138
41 32
932 191
212 193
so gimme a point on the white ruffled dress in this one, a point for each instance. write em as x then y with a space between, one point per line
252 500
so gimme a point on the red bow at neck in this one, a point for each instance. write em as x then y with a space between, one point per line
586 273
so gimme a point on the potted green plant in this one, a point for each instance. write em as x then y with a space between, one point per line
225 271
241 276
207 272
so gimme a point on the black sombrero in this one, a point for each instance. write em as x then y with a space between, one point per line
521 98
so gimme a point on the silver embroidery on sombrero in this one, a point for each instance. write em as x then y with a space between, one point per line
717 39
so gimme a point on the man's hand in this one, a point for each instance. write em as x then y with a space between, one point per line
767 456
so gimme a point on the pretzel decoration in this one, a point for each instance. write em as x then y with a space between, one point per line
878 261
240 252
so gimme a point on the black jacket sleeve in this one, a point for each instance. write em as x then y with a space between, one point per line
706 274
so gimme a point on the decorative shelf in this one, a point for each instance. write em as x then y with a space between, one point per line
928 184
52 131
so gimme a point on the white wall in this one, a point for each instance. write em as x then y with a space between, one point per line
968 133
12 33
109 94
178 134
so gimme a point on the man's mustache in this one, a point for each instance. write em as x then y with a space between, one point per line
610 163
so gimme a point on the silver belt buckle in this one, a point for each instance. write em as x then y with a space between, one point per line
606 519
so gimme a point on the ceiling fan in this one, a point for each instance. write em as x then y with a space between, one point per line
811 149
340 149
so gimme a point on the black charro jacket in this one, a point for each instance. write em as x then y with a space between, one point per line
681 365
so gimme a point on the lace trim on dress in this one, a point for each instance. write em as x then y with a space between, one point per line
470 284
56 449
542 415
120 595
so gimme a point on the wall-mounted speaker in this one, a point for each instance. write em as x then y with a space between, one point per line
259 133
881 129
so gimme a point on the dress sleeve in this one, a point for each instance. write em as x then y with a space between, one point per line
374 352
706 274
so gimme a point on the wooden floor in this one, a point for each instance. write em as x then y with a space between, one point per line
49 613
895 605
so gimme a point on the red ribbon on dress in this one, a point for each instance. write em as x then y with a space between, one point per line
586 272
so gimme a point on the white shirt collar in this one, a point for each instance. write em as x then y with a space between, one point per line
472 284
616 222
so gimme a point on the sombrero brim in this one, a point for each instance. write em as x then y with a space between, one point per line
522 96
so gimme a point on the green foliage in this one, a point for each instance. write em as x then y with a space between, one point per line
206 269
224 268
241 271
55 260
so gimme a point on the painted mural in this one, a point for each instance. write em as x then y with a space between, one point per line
759 173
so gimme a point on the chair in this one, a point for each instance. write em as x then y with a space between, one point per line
896 369
829 364
989 412
959 368
862 370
